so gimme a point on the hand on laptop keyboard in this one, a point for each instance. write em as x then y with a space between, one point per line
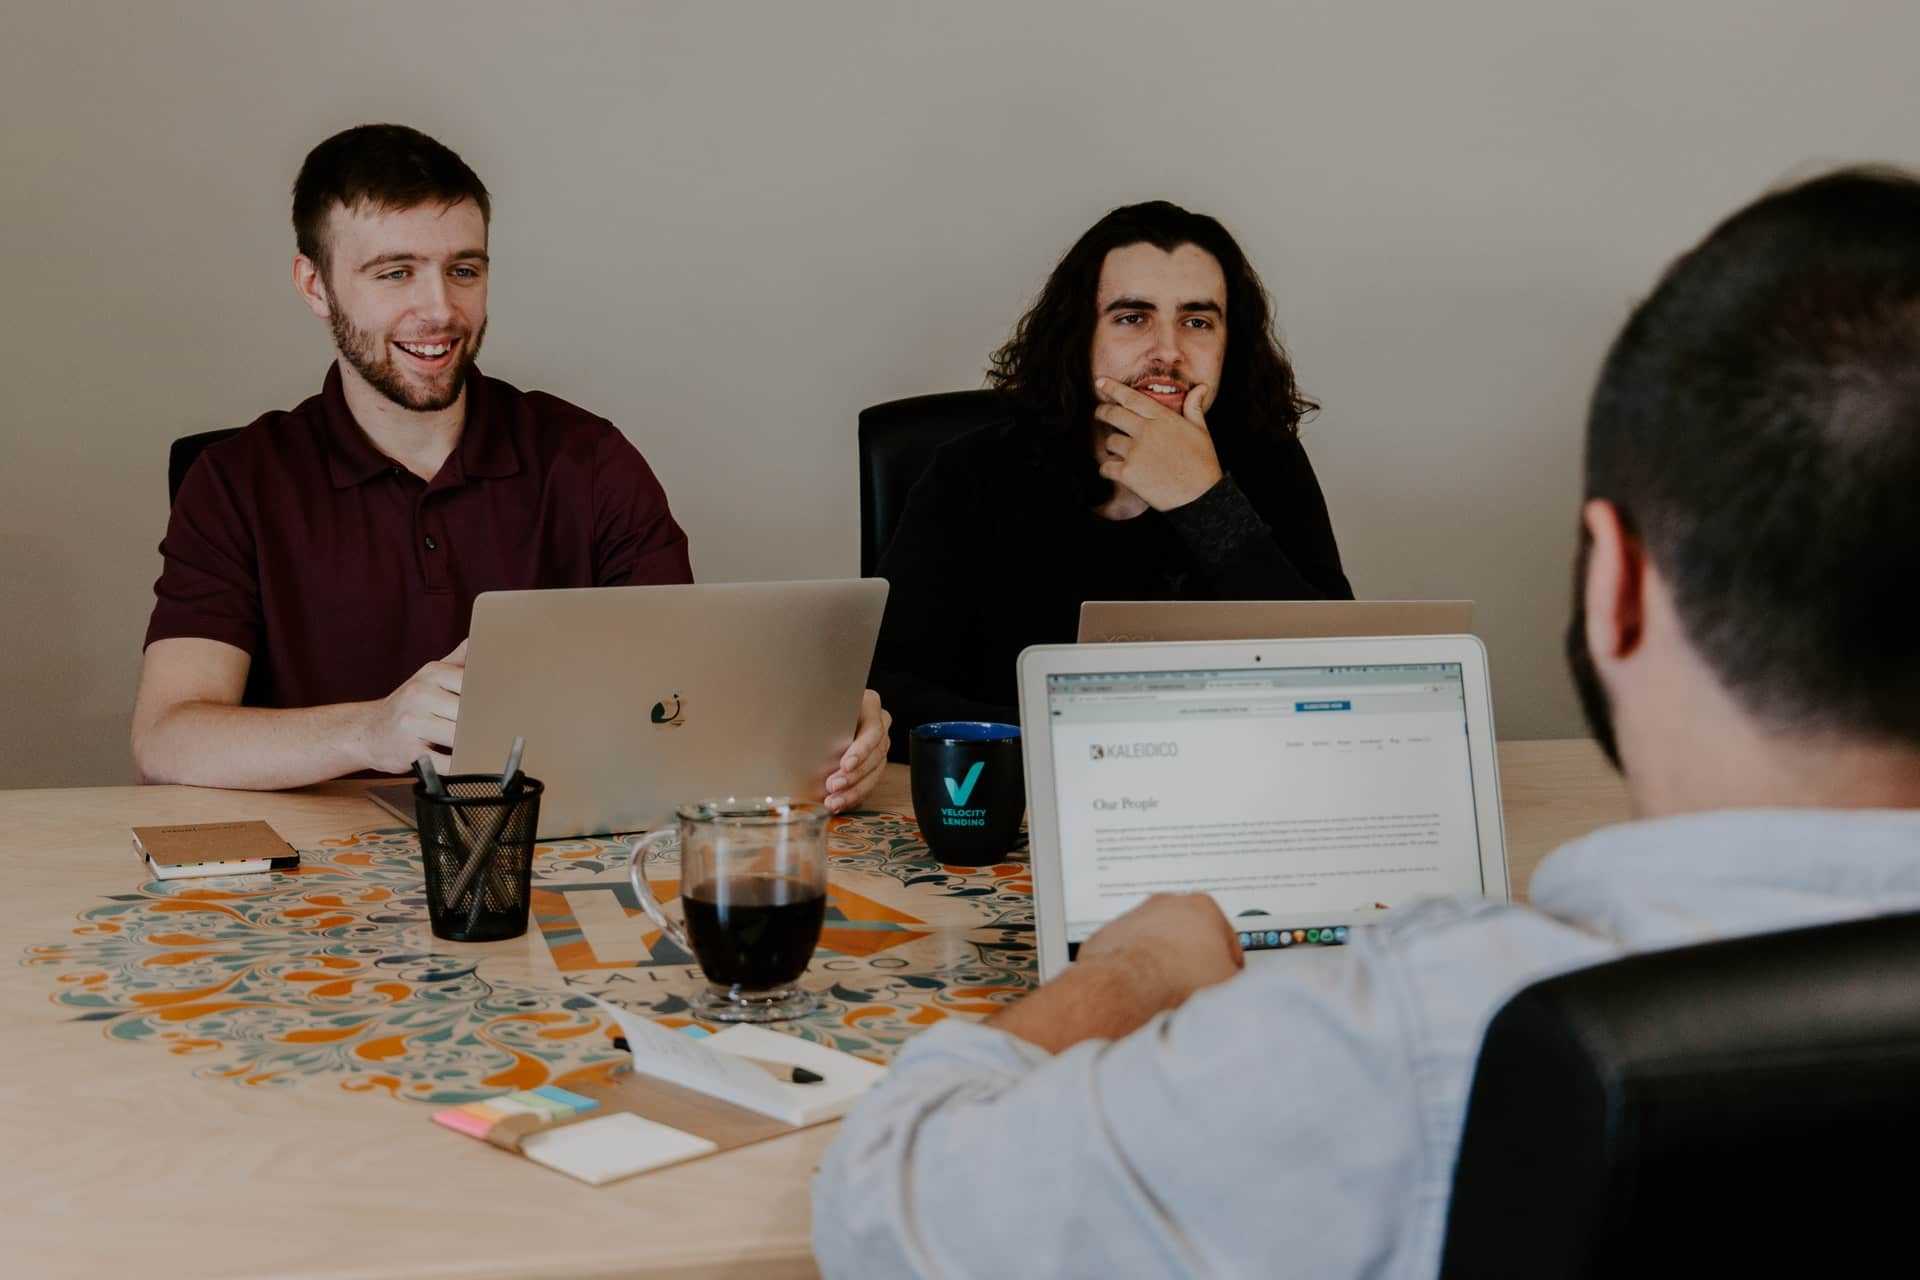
1172 944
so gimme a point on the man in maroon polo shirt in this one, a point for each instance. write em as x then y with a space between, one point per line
321 566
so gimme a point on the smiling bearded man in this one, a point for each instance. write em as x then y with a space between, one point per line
452 353
321 565
1151 451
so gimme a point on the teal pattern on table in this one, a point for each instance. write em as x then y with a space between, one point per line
331 972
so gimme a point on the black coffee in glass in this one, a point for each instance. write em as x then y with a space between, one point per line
754 932
753 899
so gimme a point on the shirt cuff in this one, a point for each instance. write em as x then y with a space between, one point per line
241 635
1218 522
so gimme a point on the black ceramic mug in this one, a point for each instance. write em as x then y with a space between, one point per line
968 791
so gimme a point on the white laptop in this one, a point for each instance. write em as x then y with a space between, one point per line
1308 785
635 700
1118 621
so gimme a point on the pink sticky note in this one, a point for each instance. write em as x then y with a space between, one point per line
463 1121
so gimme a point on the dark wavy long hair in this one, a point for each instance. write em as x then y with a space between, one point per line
1045 366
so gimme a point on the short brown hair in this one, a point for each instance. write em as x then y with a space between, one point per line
387 166
1757 425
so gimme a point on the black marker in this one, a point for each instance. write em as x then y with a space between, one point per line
784 1072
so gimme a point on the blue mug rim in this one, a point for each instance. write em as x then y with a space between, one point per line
967 731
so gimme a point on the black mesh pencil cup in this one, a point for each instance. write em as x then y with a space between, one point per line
477 846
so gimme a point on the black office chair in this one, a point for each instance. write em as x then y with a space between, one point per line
1717 1109
180 458
897 441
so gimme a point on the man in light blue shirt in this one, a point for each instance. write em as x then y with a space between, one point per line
1746 641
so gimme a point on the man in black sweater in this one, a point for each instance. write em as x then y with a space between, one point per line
1151 452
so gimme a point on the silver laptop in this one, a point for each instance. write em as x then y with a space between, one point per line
634 700
1309 785
1117 621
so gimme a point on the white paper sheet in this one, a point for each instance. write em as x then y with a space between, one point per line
717 1066
608 1148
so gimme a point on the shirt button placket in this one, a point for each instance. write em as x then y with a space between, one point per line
433 548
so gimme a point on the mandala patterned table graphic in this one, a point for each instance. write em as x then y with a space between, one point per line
331 971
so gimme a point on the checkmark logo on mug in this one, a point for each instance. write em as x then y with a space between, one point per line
966 782
959 791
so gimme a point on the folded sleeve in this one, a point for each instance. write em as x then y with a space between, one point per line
209 584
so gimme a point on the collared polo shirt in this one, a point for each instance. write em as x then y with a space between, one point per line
342 573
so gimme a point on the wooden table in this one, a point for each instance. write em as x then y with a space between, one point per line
125 1158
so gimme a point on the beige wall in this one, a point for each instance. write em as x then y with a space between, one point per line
729 226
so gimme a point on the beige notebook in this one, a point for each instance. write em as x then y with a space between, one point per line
213 849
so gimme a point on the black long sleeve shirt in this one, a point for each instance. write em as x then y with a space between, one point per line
999 547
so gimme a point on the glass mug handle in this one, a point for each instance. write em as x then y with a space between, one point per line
637 872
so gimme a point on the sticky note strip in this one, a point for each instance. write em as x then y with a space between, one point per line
539 1105
461 1120
608 1148
566 1097
505 1121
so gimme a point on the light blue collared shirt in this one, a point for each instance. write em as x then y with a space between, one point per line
1302 1118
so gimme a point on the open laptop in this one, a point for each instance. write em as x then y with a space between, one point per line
1118 621
635 700
1309 785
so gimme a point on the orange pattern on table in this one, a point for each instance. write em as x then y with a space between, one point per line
270 980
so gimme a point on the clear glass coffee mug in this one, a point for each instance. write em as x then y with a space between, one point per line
753 891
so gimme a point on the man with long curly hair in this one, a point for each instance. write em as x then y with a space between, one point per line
1150 452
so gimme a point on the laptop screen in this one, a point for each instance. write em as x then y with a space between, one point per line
1301 798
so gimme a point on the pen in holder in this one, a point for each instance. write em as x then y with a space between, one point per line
476 841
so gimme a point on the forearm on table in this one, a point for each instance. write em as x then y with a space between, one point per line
1237 546
1102 999
210 744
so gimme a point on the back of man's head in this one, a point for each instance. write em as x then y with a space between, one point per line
380 166
1757 425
